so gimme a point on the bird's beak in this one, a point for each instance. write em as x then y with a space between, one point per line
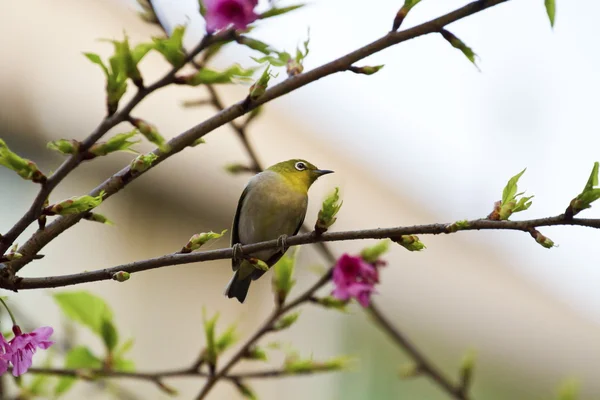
321 172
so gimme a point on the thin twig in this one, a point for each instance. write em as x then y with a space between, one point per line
266 328
177 144
301 239
423 365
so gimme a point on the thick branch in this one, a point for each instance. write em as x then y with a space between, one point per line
306 238
177 144
423 365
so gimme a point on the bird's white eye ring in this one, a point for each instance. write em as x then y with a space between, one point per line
300 166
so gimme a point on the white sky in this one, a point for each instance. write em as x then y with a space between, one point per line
433 126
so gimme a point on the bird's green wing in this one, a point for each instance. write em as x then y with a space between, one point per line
235 236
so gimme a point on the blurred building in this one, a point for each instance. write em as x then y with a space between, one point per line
463 292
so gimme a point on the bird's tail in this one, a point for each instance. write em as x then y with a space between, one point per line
238 287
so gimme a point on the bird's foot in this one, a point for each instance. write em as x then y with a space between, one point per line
238 253
282 243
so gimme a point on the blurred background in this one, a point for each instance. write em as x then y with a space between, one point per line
427 139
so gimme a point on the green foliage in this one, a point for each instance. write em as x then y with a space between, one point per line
25 168
410 242
64 146
260 86
126 59
329 209
79 357
568 390
294 65
286 321
551 10
151 133
116 80
589 194
98 218
409 370
121 276
331 302
366 70
511 203
275 11
142 162
84 308
283 276
467 365
75 205
200 239
296 365
118 142
227 339
110 336
458 225
210 355
172 47
460 45
372 254
255 44
256 353
245 391
233 74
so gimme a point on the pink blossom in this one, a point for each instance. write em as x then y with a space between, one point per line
5 353
222 13
354 278
24 345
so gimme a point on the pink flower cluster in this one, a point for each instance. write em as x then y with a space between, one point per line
19 351
353 277
222 13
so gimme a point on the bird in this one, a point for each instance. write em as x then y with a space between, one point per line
272 206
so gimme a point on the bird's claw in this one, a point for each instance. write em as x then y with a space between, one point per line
238 253
282 243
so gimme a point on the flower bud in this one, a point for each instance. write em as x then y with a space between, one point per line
121 276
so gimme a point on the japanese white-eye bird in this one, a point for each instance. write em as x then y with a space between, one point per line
272 206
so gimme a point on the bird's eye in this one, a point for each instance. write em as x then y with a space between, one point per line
300 166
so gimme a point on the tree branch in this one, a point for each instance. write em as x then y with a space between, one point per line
178 143
110 121
423 365
306 238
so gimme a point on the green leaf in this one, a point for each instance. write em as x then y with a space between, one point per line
568 390
64 146
589 194
332 302
286 321
75 205
200 239
172 47
125 348
460 45
209 333
151 133
118 142
79 357
551 10
123 365
255 44
110 336
98 218
410 242
297 366
327 215
26 169
95 58
283 276
273 12
279 59
245 391
258 264
227 339
84 308
260 86
233 74
366 70
143 162
511 203
372 254
256 353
